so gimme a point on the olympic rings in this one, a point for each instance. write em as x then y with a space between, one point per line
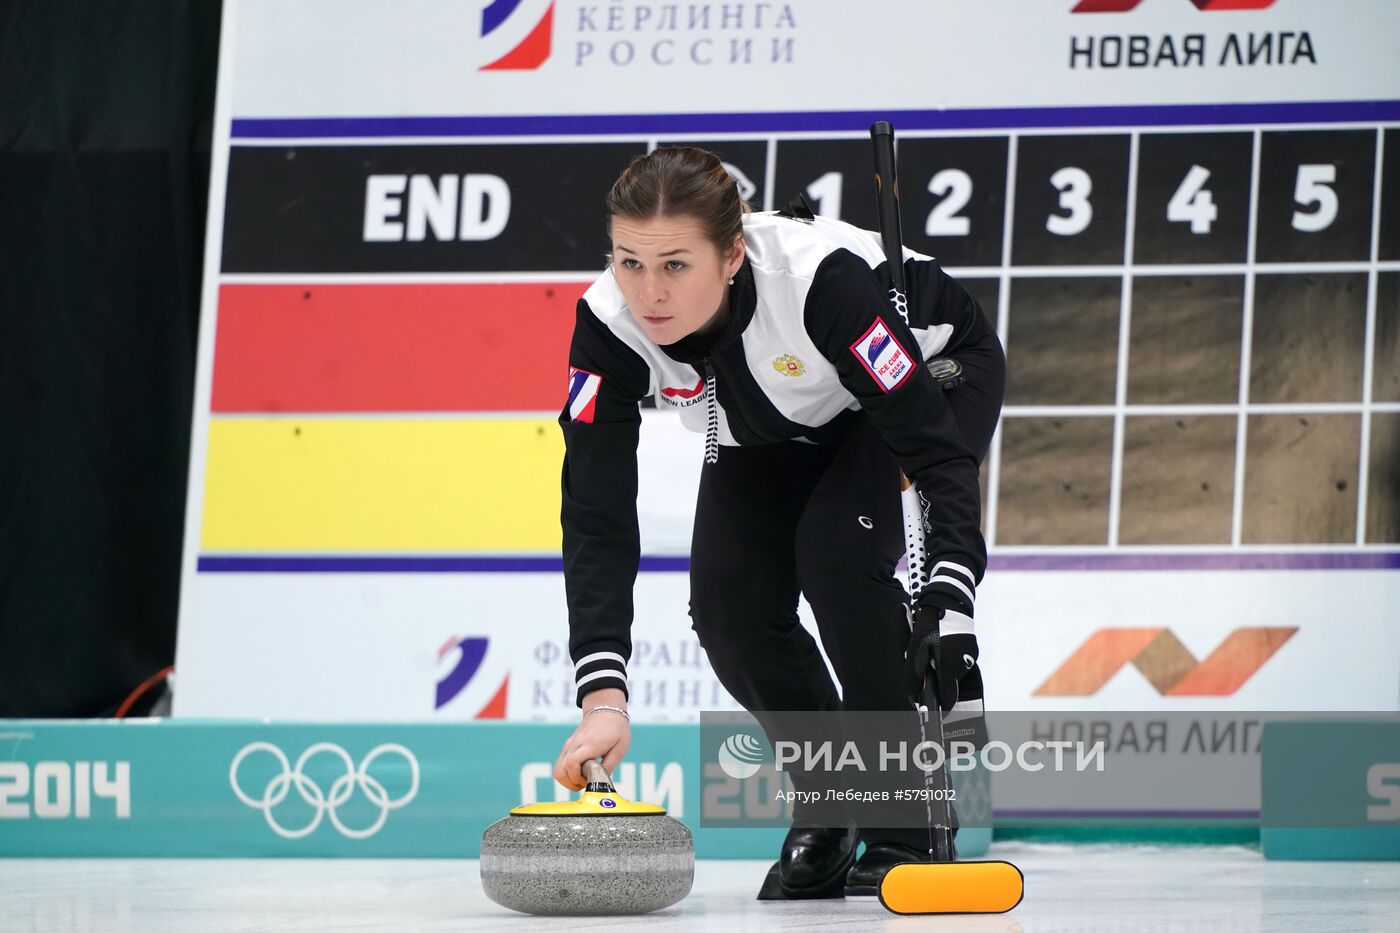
325 803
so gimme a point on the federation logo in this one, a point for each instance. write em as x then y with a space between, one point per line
789 365
471 654
327 802
1166 663
883 357
583 394
500 22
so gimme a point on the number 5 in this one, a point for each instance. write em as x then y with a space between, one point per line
1311 188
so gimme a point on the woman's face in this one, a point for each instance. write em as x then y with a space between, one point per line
674 279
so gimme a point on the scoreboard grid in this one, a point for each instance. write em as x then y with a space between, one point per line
1120 410
1283 427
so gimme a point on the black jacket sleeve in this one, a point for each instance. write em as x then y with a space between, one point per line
602 547
850 319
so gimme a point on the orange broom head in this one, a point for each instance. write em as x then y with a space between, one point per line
952 888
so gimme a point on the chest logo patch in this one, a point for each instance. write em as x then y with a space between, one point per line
683 396
882 356
673 392
789 365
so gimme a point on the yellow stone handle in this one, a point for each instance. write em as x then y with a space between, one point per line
595 773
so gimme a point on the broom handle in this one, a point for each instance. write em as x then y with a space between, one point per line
887 209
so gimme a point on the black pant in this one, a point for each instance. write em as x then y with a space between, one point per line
825 520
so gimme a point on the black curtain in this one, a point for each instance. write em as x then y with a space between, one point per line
106 109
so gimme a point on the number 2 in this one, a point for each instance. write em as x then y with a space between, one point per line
14 781
1075 186
1312 188
954 186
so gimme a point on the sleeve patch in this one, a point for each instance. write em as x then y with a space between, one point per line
883 357
583 394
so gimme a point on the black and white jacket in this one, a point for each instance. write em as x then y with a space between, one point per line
811 340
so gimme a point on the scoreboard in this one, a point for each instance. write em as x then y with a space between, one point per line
1182 217
1202 323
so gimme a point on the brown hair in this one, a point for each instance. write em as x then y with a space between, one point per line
681 181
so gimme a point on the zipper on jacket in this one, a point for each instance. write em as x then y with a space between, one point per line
711 415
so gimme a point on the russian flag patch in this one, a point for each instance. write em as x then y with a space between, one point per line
882 356
583 394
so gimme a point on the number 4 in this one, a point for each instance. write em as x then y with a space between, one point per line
1192 202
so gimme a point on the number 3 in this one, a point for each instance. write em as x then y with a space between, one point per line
1074 185
1311 188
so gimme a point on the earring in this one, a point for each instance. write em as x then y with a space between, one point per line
731 281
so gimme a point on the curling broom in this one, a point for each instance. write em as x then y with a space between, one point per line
942 886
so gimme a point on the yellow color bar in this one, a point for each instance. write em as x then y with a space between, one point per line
382 485
952 888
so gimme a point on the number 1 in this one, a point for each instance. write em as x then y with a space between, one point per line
826 191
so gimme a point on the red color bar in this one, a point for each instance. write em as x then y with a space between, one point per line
1105 6
393 347
1211 6
1123 6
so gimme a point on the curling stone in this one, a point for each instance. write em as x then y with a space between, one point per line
600 854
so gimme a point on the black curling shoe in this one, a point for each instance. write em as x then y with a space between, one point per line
865 876
814 864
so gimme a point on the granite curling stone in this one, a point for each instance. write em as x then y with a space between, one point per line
600 854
